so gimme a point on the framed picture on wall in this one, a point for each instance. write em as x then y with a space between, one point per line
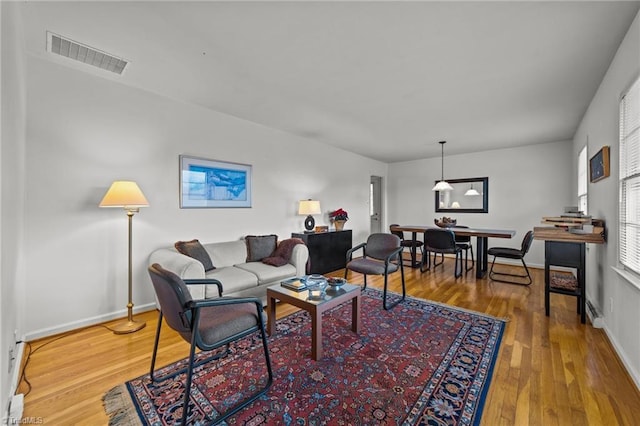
599 165
213 184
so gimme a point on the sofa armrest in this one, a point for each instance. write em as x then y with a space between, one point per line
299 258
183 266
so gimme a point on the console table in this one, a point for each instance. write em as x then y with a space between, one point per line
327 250
567 249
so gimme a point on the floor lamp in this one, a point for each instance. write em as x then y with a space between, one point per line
127 195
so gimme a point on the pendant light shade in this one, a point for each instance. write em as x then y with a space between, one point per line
442 185
471 191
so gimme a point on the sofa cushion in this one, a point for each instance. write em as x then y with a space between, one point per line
268 273
233 279
227 253
260 246
195 250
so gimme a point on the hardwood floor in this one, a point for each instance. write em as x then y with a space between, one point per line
550 370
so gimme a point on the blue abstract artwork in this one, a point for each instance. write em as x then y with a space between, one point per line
211 183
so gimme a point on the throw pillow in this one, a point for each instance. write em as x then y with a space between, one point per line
260 246
194 249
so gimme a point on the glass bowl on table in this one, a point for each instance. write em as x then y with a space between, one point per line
317 286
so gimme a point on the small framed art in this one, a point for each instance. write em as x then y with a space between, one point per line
599 165
212 183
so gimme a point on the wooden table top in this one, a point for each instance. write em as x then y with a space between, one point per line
548 233
471 232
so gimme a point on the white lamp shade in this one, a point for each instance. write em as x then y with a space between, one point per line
455 205
125 194
309 207
442 186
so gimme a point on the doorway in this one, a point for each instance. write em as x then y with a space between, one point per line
375 204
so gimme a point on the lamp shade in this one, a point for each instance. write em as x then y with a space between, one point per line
309 207
442 186
455 205
471 191
125 194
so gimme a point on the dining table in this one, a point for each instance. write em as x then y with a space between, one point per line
482 236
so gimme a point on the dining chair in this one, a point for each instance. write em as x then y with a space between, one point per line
512 253
464 242
381 255
412 244
441 241
207 325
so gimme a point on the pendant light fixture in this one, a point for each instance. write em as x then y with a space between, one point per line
442 185
471 191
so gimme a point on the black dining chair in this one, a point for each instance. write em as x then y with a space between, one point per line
381 255
411 244
512 253
441 241
464 242
207 325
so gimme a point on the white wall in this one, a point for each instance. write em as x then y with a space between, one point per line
616 298
83 132
13 95
525 184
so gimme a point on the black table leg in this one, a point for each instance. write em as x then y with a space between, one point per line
481 253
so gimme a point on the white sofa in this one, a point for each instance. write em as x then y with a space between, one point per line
238 277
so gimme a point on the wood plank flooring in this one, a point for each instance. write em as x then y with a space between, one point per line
550 370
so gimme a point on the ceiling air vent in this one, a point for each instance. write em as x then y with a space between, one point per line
83 53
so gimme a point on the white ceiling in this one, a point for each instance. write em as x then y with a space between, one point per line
386 80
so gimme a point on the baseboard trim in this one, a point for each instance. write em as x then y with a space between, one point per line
63 328
635 375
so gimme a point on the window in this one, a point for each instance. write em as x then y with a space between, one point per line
630 178
583 180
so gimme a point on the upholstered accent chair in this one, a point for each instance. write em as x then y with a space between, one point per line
512 253
441 241
207 324
381 255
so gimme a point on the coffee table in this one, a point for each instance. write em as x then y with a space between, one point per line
334 297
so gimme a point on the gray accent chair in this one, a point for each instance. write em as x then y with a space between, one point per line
381 255
206 324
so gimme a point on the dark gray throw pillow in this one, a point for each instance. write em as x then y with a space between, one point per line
194 249
260 246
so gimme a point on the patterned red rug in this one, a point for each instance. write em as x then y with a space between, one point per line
420 363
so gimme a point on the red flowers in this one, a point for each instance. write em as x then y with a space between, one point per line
339 215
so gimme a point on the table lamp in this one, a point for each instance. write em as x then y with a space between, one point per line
127 195
309 207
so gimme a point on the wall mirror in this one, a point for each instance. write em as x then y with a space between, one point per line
470 195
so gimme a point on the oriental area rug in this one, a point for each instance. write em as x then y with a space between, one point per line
417 364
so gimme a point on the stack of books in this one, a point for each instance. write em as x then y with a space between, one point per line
295 284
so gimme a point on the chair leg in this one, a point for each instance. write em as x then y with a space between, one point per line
187 386
457 267
426 260
495 276
466 259
435 257
155 347
384 292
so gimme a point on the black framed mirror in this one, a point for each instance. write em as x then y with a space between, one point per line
470 195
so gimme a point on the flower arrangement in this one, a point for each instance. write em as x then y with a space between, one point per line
339 215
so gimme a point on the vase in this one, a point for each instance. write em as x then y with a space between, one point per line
339 224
